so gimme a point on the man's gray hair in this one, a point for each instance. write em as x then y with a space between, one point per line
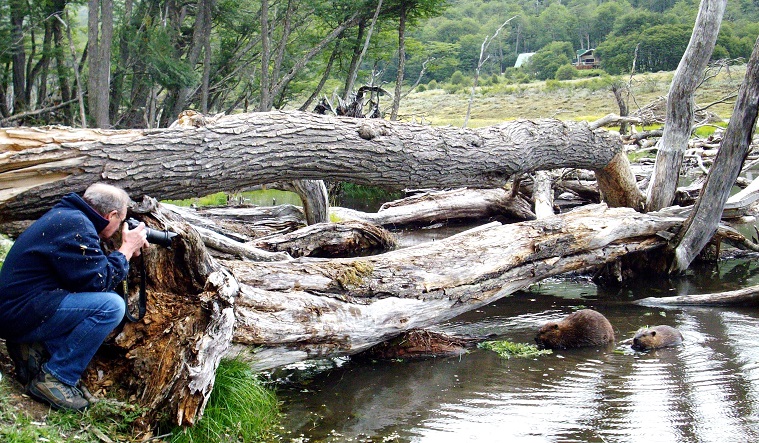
105 198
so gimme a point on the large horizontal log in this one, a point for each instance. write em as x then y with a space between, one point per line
38 165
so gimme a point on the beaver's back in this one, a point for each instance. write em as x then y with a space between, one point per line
583 328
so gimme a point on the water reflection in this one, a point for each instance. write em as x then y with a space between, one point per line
706 390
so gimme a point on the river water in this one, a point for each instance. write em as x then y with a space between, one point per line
705 390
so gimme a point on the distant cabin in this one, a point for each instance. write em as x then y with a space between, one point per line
587 59
522 58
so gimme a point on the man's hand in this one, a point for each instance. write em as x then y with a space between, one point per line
132 240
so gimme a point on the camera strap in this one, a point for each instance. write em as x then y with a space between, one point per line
142 300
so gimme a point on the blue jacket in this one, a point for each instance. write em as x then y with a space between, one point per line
58 254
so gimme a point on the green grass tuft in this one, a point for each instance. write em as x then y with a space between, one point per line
507 349
241 408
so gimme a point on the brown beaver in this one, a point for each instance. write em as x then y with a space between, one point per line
585 327
661 336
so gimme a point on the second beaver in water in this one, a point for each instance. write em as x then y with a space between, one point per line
585 327
661 336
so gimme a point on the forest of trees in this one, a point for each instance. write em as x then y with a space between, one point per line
138 63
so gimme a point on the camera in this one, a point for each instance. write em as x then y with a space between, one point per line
154 236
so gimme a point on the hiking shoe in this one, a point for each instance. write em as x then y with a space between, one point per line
27 359
46 388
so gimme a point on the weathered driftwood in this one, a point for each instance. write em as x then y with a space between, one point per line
244 223
700 225
331 240
228 231
543 194
680 105
235 152
432 207
741 297
309 308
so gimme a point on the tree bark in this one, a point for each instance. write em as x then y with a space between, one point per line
200 43
265 100
679 119
241 151
735 146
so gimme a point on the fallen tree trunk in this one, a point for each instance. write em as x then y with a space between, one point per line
38 165
741 297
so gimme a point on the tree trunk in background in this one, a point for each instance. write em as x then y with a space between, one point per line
60 61
325 77
358 56
401 63
201 36
313 195
353 67
100 37
18 54
679 118
703 221
240 151
265 89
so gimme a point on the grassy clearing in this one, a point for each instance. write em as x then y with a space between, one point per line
579 99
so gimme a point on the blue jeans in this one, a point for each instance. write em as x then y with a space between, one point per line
75 332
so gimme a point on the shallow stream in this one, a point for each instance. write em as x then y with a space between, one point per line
706 390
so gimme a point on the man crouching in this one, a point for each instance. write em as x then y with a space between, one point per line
57 299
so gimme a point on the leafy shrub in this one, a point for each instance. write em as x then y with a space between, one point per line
552 85
452 89
432 84
458 78
566 72
421 88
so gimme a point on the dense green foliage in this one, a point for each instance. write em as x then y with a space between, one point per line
209 55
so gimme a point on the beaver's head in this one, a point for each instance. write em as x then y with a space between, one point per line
643 339
549 336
